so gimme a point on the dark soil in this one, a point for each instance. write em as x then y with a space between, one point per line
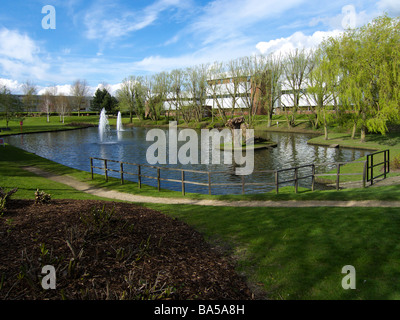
104 250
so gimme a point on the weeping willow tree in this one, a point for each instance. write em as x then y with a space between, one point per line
369 68
322 83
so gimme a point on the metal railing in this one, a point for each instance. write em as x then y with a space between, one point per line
371 164
298 175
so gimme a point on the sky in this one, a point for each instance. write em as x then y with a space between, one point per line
105 41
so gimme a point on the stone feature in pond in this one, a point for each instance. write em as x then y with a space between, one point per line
256 142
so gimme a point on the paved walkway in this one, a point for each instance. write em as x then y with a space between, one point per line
112 194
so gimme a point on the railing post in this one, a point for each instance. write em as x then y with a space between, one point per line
209 183
365 173
158 179
337 176
91 166
277 181
388 161
183 182
296 182
372 170
122 172
313 178
139 176
105 170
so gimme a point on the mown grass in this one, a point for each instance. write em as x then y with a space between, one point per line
299 253
289 253
13 175
12 160
374 143
40 124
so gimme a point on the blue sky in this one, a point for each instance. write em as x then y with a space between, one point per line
105 41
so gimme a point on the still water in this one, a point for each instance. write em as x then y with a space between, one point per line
74 148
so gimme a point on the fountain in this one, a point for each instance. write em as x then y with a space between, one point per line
104 127
119 122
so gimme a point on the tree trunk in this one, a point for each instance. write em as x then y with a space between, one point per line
363 128
363 133
325 127
269 124
353 134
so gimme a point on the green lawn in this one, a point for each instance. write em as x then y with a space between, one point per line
299 253
40 124
374 142
11 175
290 253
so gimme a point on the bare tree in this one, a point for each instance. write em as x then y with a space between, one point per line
153 99
297 66
177 79
79 92
196 86
251 78
215 78
127 96
232 84
48 101
62 106
161 89
29 100
270 86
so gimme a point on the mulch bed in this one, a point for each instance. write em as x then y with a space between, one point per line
104 250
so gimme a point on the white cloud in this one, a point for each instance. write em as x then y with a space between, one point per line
392 7
106 23
297 40
66 51
349 17
14 45
173 40
222 52
111 88
19 56
13 85
226 19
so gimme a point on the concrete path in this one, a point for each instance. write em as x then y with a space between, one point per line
112 194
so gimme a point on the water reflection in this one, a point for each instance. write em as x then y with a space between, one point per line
74 148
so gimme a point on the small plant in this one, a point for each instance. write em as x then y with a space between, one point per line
74 263
9 223
396 162
145 290
4 196
42 197
98 218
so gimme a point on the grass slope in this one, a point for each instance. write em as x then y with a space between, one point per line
300 253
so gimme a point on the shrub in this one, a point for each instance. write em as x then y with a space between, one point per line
4 196
42 197
396 162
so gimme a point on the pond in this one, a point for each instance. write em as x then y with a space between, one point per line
74 148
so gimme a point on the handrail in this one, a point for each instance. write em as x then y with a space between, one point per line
277 173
